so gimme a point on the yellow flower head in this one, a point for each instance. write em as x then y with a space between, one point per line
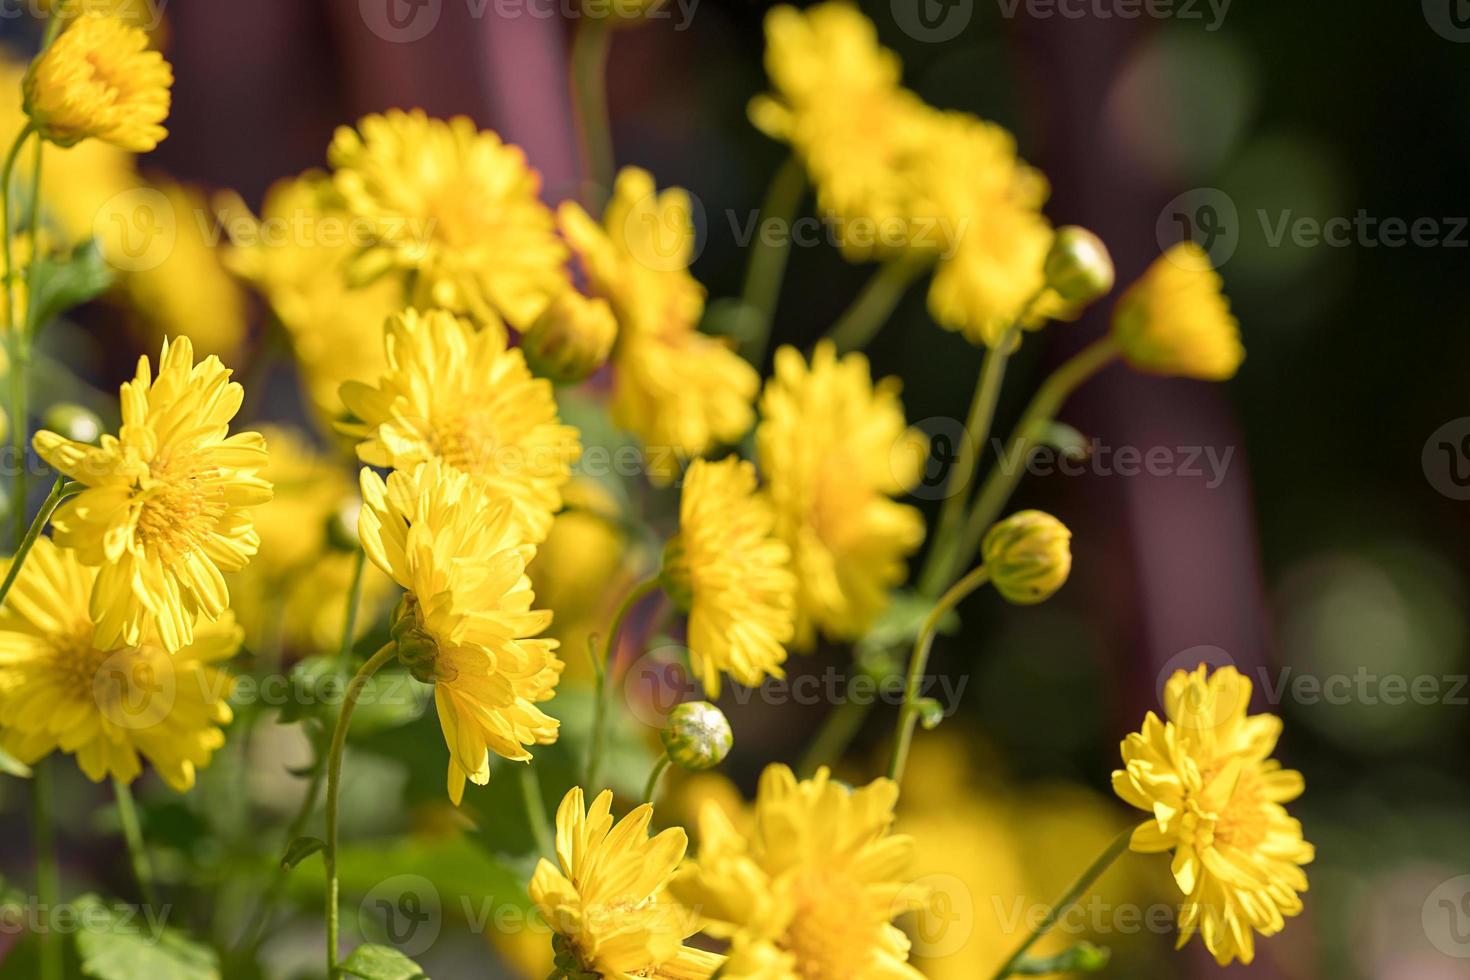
810 892
731 575
1176 321
466 624
166 511
835 448
457 207
677 389
98 79
296 255
608 905
61 689
1215 799
459 395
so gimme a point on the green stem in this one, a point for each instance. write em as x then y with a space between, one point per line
60 490
536 812
652 784
19 343
48 876
767 265
1081 885
908 715
127 812
867 314
349 619
604 669
1001 482
590 43
838 730
334 786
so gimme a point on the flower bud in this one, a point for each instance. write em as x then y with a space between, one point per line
342 525
1078 267
697 736
73 421
1028 556
1176 322
571 338
417 648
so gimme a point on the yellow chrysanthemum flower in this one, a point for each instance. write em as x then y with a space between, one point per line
732 577
1215 798
608 904
466 624
458 394
98 79
810 893
166 511
1176 321
834 448
678 390
456 207
296 255
61 689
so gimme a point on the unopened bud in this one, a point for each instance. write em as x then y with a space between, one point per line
342 525
1078 267
571 338
1028 556
697 736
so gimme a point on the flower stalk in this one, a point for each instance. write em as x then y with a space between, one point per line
860 323
604 668
767 265
60 490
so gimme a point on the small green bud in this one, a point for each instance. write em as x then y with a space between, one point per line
417 648
73 421
1028 556
697 736
570 339
1078 267
342 526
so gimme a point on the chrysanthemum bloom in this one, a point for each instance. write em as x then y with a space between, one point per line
811 891
1176 321
732 577
166 512
834 448
608 905
460 395
98 79
61 689
296 255
456 207
466 624
1215 798
680 391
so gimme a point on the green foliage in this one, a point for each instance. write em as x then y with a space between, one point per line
62 282
119 944
1081 958
370 962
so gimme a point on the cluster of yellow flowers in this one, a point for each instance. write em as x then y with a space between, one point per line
430 336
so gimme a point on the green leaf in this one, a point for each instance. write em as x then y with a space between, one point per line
12 766
1082 958
898 626
121 943
1064 439
64 282
300 849
382 963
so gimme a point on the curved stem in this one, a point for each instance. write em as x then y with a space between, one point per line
1001 482
652 784
838 730
334 785
536 812
908 715
1081 885
867 314
590 43
127 813
19 344
48 878
767 265
604 669
60 490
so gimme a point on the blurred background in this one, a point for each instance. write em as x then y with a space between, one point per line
1306 522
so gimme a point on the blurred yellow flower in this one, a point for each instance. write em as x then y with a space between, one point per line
455 207
608 904
731 576
98 79
834 448
458 394
466 624
61 689
1215 799
167 507
811 891
296 255
190 291
1176 321
680 391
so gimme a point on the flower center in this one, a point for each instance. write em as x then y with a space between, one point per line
830 935
1243 821
131 687
466 440
181 506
